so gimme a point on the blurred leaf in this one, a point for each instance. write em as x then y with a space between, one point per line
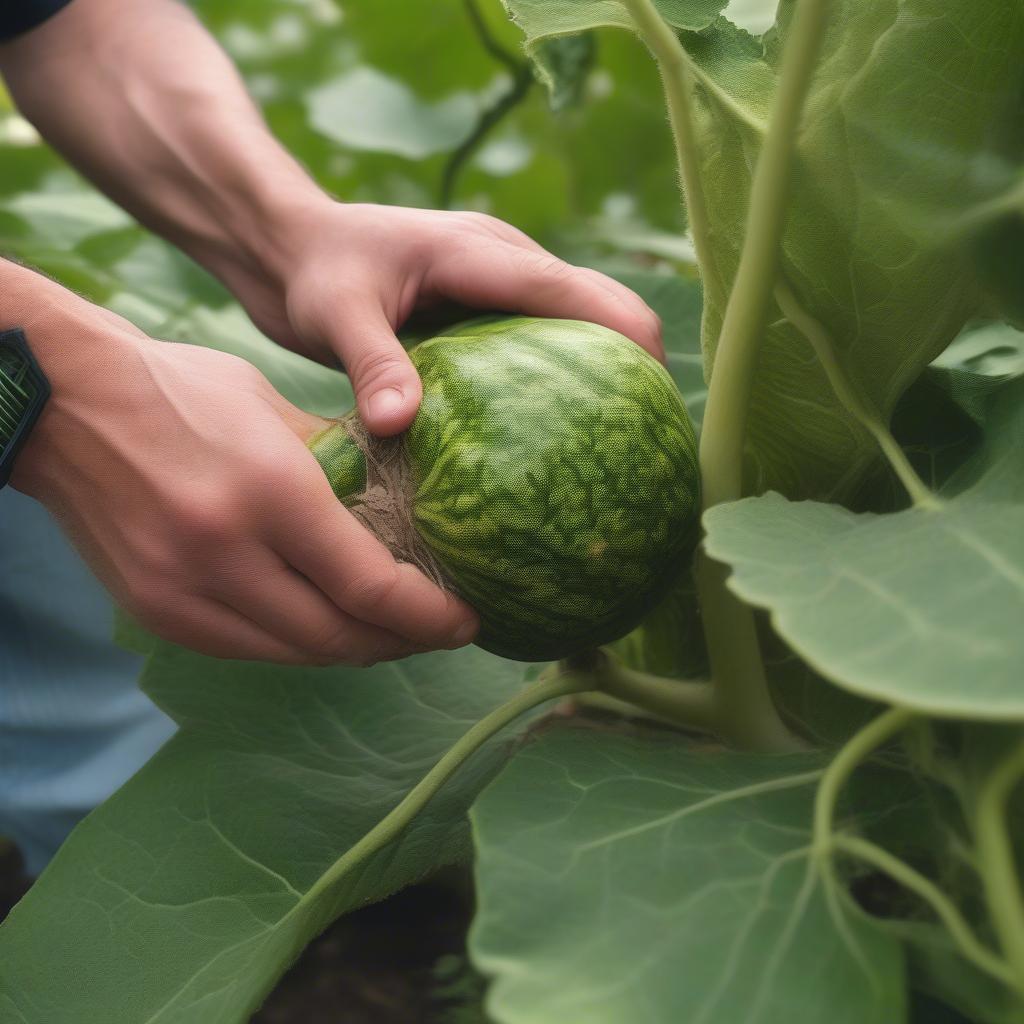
365 109
565 62
754 16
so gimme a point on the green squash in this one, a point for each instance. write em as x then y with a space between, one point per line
555 479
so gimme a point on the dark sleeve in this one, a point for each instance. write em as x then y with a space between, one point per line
17 16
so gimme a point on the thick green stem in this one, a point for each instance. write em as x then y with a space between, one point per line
392 826
996 860
340 459
736 661
725 418
944 908
745 714
677 79
489 119
851 396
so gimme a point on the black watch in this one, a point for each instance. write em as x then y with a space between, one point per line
23 393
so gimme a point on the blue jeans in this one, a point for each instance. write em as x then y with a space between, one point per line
73 723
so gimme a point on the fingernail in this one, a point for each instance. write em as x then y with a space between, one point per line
464 634
384 403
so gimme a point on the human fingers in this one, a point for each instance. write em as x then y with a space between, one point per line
286 605
515 278
315 534
386 384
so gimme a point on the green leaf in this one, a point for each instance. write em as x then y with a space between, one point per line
922 608
904 98
634 879
66 214
187 894
365 109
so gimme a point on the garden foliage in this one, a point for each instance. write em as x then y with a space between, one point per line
818 816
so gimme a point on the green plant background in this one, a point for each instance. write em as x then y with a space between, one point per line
621 874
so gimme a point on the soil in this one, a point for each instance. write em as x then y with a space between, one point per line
397 962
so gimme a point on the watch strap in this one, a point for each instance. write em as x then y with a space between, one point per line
24 390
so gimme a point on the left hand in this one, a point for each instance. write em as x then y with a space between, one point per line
345 277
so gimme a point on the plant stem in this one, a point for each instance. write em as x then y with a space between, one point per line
741 685
851 396
489 119
393 824
522 82
676 76
725 417
946 911
855 751
745 714
996 860
686 703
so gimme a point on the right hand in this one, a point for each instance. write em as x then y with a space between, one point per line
183 479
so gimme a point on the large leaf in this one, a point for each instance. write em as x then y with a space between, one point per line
634 879
921 608
905 96
186 895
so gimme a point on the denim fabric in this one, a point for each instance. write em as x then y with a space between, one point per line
73 724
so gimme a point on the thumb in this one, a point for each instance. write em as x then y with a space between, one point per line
387 387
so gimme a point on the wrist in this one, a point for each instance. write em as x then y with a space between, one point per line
272 236
72 341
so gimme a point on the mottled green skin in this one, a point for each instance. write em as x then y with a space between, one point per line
556 479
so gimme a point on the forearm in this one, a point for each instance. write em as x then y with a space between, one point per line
143 101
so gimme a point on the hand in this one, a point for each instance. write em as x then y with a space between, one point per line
183 478
346 277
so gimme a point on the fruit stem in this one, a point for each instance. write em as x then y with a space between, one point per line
341 460
685 703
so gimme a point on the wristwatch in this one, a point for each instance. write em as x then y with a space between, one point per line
23 393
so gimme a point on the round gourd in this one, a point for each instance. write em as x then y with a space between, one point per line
552 475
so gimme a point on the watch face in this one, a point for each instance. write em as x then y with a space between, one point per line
23 392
